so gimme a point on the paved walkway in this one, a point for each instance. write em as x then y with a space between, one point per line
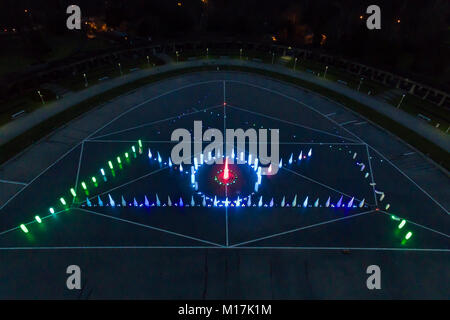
17 127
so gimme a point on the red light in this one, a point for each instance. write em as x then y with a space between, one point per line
226 174
224 103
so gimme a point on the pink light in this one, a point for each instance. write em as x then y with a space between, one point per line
225 171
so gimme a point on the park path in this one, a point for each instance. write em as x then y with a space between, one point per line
14 128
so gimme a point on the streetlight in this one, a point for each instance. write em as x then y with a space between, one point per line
85 80
240 54
295 62
273 56
120 67
401 100
325 74
41 96
360 82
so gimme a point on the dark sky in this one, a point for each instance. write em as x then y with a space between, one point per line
418 44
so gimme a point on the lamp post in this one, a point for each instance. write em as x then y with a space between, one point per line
273 56
120 68
295 62
177 53
148 60
240 54
41 96
325 74
207 52
401 100
360 82
85 80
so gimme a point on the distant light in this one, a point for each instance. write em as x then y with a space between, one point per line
72 191
63 201
24 229
102 171
398 20
94 180
361 17
52 211
83 185
179 4
38 219
110 165
402 224
274 38
408 235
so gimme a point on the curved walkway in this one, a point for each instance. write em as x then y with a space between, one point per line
19 126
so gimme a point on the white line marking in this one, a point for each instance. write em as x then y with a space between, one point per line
354 135
225 248
302 228
14 182
331 114
421 226
420 188
102 127
155 122
319 183
348 122
302 103
291 123
371 176
45 170
226 186
248 142
343 248
147 101
78 171
127 183
149 227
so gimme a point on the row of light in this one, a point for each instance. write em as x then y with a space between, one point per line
84 186
215 201
402 223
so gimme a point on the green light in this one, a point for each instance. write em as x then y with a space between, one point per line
402 224
24 228
408 235
134 149
126 155
38 219
140 143
102 171
118 160
52 211
62 201
72 191
83 185
94 180
110 165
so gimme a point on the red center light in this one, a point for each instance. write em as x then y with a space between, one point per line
226 174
